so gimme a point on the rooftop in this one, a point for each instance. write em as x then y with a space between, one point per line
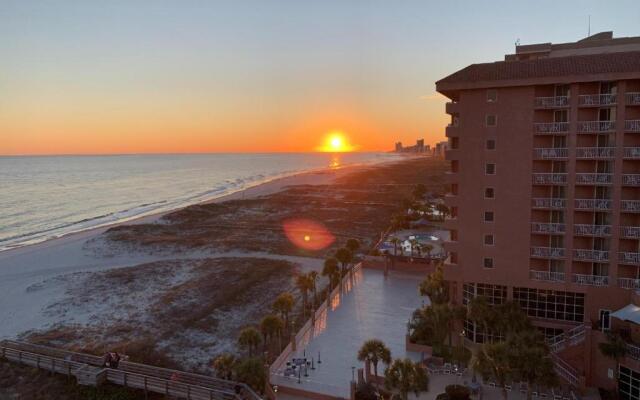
598 56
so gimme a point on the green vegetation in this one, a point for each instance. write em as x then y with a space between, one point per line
373 351
457 392
284 305
405 376
249 340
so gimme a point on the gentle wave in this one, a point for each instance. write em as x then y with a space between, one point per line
104 184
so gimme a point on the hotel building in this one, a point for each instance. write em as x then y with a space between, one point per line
545 197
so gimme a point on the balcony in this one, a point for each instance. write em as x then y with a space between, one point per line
551 102
545 227
632 153
451 131
550 128
546 276
452 107
594 179
631 180
592 204
629 283
595 153
548 203
590 255
630 206
589 100
596 126
630 232
631 258
550 153
547 252
592 230
633 99
549 179
590 280
632 125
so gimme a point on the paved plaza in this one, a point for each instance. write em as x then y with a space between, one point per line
369 306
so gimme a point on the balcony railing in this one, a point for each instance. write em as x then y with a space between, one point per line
633 98
552 102
550 153
594 179
549 179
632 125
550 127
597 153
629 283
545 227
546 276
632 206
633 351
630 232
592 230
592 204
632 153
597 99
590 255
547 252
627 257
590 280
548 203
631 179
596 126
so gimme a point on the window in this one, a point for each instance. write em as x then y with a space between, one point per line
605 320
628 383
491 144
454 235
453 257
488 193
454 189
495 294
491 120
455 166
488 262
551 304
454 142
492 96
488 240
490 169
488 216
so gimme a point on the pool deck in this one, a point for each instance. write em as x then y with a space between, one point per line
369 306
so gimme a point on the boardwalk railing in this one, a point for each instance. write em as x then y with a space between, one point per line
174 383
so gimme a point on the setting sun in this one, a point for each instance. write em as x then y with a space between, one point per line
335 142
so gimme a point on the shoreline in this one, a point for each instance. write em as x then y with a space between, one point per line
258 189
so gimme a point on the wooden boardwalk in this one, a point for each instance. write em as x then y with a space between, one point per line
88 370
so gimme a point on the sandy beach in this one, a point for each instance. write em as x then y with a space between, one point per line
113 283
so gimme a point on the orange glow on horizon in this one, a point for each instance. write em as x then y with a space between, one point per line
336 142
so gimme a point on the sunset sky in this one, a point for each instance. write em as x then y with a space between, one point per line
100 77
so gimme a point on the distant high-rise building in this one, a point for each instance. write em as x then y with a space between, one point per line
545 198
399 147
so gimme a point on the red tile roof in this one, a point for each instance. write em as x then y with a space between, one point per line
591 64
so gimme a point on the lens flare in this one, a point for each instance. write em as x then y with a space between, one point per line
307 234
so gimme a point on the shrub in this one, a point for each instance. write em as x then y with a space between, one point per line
457 392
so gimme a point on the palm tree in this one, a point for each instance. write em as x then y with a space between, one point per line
252 372
482 313
353 245
304 285
283 305
313 278
330 270
224 365
345 256
249 339
271 326
510 319
435 286
615 347
406 376
427 249
374 351
395 241
413 243
492 360
443 209
530 360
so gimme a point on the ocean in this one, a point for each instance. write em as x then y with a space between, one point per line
45 197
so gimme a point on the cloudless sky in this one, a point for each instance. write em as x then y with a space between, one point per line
204 76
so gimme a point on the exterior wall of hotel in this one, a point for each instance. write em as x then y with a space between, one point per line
512 203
